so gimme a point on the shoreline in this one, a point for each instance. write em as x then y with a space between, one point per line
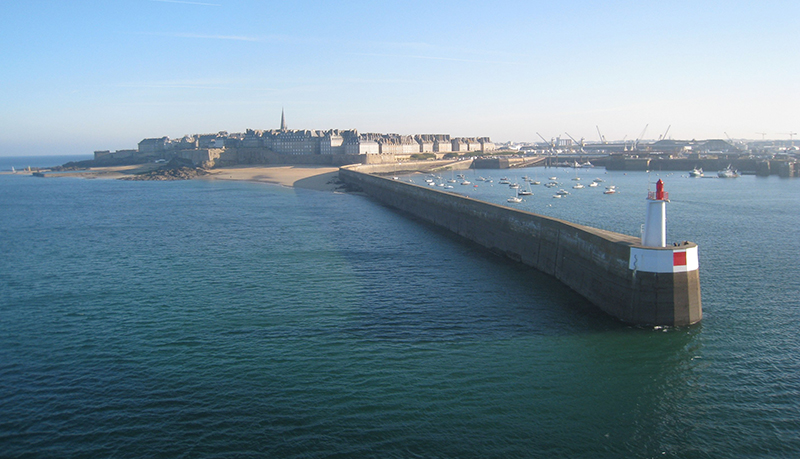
319 178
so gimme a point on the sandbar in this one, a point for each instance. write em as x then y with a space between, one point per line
319 178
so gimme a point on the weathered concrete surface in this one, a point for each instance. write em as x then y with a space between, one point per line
593 262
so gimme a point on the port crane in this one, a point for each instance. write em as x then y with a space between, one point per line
602 138
664 136
581 143
763 135
636 142
551 143
791 136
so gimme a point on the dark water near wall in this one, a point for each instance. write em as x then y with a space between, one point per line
209 319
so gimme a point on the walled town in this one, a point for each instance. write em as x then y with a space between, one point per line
332 147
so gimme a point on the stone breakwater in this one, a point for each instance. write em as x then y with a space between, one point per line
636 284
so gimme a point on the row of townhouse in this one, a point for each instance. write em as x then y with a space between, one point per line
308 142
315 142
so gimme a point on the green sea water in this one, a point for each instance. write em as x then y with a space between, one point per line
221 319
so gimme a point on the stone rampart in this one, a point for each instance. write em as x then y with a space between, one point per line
597 264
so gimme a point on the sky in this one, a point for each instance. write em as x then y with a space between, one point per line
80 76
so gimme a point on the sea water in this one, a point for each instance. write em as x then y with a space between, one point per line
229 319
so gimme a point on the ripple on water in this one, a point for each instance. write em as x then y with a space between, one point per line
202 319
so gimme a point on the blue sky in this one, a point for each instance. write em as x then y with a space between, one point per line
80 76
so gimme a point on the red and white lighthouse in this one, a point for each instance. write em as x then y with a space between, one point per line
655 223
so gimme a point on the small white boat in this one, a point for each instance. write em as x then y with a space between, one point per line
466 182
513 185
535 182
598 180
552 178
728 172
696 172
594 184
610 190
514 199
504 181
557 196
562 192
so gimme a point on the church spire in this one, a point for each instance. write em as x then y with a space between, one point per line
283 121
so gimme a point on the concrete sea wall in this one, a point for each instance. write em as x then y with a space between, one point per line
646 285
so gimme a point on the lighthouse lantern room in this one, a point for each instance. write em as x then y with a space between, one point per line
655 224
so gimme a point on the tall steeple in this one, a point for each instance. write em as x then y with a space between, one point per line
283 121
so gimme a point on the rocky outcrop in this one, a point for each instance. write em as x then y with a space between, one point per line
176 169
184 173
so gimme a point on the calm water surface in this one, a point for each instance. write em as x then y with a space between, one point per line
212 319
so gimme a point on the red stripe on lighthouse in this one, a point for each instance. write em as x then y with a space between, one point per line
679 259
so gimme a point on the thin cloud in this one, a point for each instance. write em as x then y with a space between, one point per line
187 3
196 84
435 58
383 81
215 37
261 39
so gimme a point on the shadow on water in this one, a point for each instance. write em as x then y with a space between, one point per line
462 290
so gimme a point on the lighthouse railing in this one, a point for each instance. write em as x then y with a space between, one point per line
651 195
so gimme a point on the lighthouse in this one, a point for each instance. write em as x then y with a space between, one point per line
666 279
655 223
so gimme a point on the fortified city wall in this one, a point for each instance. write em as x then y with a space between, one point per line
599 265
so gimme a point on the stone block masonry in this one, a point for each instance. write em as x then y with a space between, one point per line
602 266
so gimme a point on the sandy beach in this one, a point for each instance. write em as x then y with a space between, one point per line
309 177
